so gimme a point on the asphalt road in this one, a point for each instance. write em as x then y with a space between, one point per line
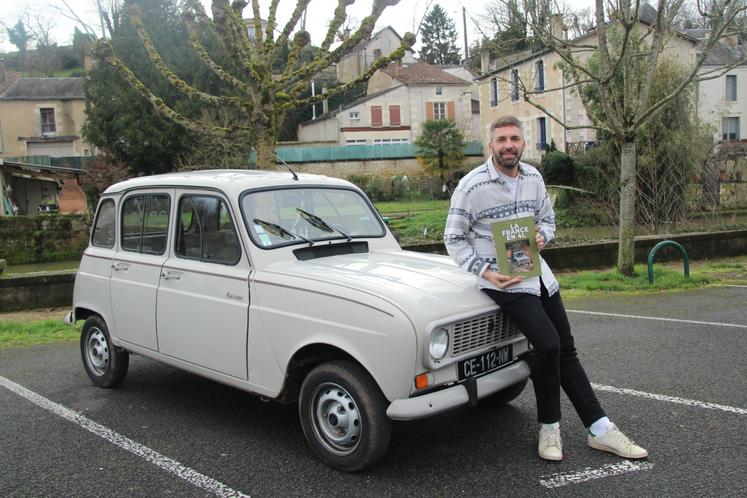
180 435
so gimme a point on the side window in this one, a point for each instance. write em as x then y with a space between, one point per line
145 220
205 231
103 228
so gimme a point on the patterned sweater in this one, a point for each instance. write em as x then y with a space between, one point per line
483 197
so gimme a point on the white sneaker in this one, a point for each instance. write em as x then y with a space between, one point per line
550 444
618 443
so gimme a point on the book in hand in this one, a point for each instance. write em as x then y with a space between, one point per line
516 247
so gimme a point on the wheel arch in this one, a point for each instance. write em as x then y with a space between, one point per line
304 360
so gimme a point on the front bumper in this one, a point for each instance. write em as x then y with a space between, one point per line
452 397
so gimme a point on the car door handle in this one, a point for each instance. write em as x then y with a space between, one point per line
171 275
120 266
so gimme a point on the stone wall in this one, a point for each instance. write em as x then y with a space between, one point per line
42 238
733 195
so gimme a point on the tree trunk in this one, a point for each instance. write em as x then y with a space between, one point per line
265 145
626 248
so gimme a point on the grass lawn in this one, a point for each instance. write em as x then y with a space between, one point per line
20 333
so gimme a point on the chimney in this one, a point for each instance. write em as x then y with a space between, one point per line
556 26
484 61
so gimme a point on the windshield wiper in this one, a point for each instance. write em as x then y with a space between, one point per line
280 231
319 223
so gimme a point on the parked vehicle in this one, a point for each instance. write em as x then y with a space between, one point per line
292 288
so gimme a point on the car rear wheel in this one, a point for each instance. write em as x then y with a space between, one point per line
105 364
343 415
505 396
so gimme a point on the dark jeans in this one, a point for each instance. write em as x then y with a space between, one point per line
553 361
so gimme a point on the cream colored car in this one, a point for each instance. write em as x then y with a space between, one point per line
292 288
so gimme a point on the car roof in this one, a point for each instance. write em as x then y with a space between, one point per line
230 181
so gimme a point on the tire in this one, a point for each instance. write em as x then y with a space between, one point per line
343 416
105 364
505 396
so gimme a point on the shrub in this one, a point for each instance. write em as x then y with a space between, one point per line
558 168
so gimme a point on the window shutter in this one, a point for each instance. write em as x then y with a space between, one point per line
394 118
450 110
376 116
428 111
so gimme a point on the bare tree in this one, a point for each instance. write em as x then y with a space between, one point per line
622 76
259 95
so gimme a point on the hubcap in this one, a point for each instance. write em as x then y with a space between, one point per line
97 352
336 419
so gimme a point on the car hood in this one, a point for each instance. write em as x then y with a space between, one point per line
424 286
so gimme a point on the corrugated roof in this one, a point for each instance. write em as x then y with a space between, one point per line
421 73
45 89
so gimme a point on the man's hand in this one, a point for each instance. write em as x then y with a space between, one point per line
539 238
501 281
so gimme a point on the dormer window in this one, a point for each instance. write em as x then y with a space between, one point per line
47 121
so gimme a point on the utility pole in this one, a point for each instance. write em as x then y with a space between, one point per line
464 30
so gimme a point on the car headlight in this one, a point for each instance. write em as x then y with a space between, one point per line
438 345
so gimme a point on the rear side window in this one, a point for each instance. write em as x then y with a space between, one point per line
205 231
103 228
145 221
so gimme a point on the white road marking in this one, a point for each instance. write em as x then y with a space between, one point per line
169 465
608 470
639 317
670 399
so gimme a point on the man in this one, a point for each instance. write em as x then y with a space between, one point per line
501 189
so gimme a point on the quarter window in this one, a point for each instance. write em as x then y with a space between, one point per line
205 231
145 219
103 227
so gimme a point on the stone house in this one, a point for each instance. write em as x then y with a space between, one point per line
383 42
722 101
43 117
399 99
503 79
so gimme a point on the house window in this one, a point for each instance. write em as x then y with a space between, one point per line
354 115
493 92
377 53
731 87
515 89
541 134
439 110
391 141
539 83
376 116
730 129
355 141
394 116
47 120
439 90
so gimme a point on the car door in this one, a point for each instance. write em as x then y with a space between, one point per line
203 297
136 267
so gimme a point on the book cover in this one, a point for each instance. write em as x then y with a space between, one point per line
516 247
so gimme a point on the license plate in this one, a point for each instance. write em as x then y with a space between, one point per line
485 362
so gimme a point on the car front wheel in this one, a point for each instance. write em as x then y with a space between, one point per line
343 415
105 364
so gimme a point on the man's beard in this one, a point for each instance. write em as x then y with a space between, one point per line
508 163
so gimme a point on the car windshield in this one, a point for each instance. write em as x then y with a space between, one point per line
345 213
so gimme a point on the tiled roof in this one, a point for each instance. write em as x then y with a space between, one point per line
421 73
45 88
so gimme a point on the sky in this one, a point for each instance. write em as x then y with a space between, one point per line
403 17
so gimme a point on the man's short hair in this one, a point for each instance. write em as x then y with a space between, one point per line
507 120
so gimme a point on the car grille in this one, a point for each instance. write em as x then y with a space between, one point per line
482 331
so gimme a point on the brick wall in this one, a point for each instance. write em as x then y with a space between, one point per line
71 197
